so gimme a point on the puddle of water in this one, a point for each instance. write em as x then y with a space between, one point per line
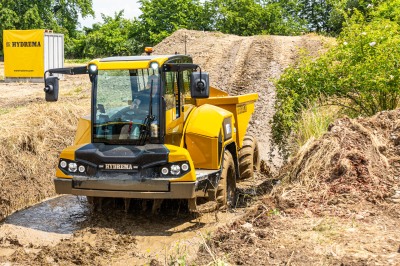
61 215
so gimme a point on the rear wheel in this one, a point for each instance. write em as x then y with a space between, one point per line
249 157
225 193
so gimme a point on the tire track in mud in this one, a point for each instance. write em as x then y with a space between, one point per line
238 69
63 230
268 58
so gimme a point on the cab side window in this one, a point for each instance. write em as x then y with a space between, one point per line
172 95
186 82
177 87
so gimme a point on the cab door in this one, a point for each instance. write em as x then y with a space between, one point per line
176 89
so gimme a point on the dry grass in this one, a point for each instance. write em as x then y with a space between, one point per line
355 160
32 137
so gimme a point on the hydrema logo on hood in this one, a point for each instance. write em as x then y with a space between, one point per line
115 166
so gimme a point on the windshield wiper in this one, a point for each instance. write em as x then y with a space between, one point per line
146 130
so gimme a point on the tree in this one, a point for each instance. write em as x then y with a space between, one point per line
360 74
251 17
160 18
110 38
282 17
241 17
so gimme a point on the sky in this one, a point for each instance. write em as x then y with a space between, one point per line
109 7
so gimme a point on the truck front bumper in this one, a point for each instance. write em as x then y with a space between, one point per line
151 189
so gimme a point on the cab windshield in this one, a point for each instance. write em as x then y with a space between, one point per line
127 103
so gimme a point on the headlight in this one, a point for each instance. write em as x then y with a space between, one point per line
175 169
63 164
185 167
81 169
92 69
164 170
154 65
72 167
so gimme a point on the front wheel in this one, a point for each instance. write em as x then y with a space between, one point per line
226 190
94 202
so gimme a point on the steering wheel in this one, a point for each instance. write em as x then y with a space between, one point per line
126 111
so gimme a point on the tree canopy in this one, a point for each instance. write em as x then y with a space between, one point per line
160 18
360 74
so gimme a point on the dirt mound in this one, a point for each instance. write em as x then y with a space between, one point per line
337 203
268 235
356 160
32 137
91 246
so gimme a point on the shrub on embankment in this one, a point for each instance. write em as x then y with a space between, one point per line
360 75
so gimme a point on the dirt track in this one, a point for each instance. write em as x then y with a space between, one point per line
284 235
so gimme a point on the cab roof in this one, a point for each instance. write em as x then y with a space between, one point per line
133 62
134 58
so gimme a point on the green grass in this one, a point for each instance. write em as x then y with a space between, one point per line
313 123
4 111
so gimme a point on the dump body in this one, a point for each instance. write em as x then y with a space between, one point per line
241 106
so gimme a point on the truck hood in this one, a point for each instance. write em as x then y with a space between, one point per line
143 156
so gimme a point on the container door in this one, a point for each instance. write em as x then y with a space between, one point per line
53 51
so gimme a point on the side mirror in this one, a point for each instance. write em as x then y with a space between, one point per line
199 85
51 88
101 109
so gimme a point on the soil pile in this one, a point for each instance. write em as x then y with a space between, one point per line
337 203
94 246
356 160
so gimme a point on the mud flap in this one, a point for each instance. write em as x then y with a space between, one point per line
192 205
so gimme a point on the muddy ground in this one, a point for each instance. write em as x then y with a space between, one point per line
275 222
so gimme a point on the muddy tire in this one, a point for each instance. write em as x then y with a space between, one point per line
249 157
225 194
95 203
90 200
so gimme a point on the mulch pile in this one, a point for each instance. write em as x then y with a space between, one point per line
352 173
356 160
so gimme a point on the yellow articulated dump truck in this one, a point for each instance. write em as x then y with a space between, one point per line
156 131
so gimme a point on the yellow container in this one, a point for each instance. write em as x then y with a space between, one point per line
28 53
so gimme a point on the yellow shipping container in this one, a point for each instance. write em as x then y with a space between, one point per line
28 53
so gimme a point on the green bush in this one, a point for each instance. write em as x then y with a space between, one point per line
360 74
